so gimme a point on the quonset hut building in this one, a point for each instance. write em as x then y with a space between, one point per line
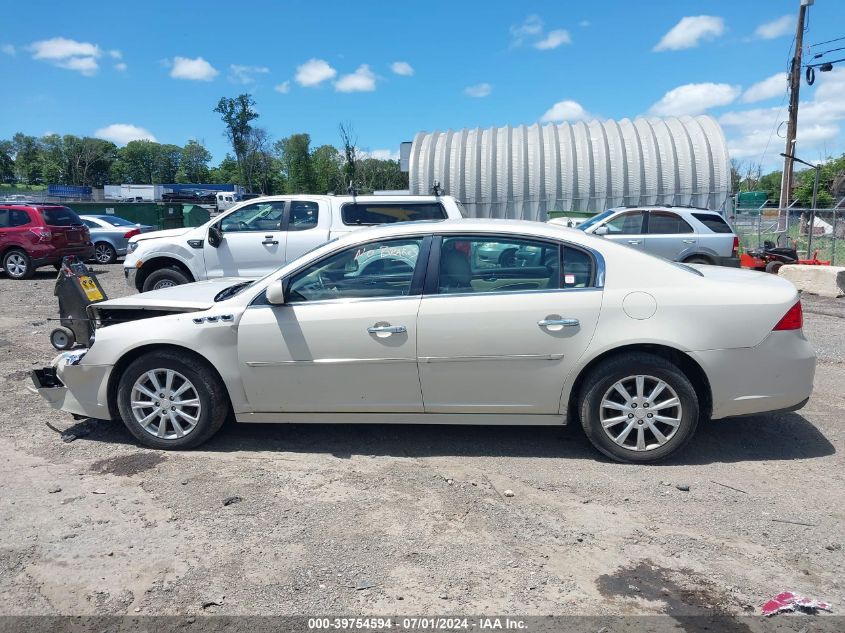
526 171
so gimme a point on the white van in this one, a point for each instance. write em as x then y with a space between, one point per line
257 236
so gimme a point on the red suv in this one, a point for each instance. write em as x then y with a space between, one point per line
33 235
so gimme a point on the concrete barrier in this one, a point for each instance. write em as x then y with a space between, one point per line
825 281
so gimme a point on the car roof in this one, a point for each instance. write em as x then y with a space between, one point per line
665 207
348 198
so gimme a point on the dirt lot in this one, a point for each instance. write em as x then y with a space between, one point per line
410 520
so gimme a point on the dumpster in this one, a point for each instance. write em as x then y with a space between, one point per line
194 215
157 214
76 289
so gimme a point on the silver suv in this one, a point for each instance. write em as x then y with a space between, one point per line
683 234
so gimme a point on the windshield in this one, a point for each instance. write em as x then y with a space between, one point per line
594 220
60 216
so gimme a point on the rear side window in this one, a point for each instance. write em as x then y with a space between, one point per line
666 223
60 216
577 268
713 222
303 215
364 213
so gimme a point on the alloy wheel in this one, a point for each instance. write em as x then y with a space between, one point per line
103 253
16 265
165 404
640 413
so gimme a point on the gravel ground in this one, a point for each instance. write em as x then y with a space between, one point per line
410 519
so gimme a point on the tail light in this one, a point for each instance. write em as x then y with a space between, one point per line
43 235
131 233
792 320
736 247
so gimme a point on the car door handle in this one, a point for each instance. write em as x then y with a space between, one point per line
563 322
689 241
635 241
387 329
268 239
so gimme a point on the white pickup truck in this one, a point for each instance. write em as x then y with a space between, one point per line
255 237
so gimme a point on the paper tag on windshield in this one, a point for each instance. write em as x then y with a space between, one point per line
569 279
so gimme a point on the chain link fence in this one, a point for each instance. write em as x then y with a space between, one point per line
791 227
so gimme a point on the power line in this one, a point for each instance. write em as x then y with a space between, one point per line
817 55
828 41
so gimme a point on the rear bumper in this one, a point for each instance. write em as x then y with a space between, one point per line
75 388
56 255
775 375
731 262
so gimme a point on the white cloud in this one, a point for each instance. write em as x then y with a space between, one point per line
8 49
382 154
283 87
192 69
776 28
566 110
694 99
244 75
690 31
774 86
584 23
751 132
478 90
553 40
402 68
362 80
69 54
532 26
314 72
122 133
115 54
120 66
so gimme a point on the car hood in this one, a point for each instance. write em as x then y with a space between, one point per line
165 233
185 298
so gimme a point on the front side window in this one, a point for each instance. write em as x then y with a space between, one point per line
497 264
667 223
374 270
369 213
261 216
303 215
626 224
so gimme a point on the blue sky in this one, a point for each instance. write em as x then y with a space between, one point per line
99 68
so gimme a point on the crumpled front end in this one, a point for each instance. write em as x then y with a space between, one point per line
78 389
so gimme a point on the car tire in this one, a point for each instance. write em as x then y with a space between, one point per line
104 253
697 259
199 400
165 278
634 438
17 264
773 267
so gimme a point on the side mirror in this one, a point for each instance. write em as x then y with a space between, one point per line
276 293
601 230
215 235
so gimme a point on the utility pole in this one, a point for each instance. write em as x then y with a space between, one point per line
794 87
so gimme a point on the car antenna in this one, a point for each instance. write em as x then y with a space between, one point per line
351 190
435 189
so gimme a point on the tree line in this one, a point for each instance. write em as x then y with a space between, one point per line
750 177
257 161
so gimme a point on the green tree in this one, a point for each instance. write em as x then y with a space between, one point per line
145 162
27 159
326 161
227 172
294 154
7 163
238 113
350 154
193 166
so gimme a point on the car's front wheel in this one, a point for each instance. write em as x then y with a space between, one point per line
171 401
17 264
165 278
638 408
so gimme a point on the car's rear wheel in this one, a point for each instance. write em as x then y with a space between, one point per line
697 259
638 408
17 264
171 401
104 253
165 278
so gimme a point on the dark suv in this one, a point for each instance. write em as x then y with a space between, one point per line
33 235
